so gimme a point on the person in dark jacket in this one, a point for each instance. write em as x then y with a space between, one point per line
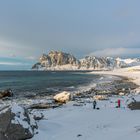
94 104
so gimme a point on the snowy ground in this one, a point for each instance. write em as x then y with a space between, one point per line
108 123
132 72
83 123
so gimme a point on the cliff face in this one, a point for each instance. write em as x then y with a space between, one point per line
63 61
56 59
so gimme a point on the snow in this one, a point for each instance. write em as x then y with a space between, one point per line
83 123
131 72
20 117
56 60
127 61
108 123
62 67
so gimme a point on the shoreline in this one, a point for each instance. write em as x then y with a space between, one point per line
77 120
133 76
106 81
108 85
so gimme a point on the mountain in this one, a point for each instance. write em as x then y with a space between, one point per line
57 60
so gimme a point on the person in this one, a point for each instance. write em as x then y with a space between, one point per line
94 104
119 103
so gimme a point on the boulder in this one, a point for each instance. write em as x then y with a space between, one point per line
121 94
16 124
100 97
62 97
44 106
134 105
6 93
38 116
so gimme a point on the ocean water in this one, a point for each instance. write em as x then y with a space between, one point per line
41 83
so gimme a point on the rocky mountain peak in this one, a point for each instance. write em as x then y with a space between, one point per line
54 59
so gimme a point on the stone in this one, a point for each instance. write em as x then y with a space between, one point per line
16 124
39 116
134 105
44 106
121 94
100 97
6 93
62 97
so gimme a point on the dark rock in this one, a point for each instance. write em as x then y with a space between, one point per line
12 124
38 117
76 104
134 105
44 106
6 93
79 135
36 66
137 128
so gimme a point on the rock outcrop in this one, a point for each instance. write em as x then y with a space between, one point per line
16 124
56 60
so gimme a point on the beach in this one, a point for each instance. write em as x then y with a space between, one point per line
133 73
83 123
76 119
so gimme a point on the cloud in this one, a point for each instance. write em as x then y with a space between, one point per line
15 49
31 58
13 55
117 52
13 63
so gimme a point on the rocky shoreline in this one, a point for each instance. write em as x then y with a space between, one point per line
117 86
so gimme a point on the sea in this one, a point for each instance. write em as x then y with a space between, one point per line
42 83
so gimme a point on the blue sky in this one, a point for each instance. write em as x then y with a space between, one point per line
29 28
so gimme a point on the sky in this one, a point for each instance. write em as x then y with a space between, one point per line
29 28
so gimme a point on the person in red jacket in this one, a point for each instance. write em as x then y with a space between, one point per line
119 103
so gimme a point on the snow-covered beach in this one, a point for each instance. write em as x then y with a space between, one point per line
83 123
133 73
77 120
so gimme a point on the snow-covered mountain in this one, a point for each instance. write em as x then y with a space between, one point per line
56 60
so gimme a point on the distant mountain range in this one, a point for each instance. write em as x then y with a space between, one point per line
57 60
